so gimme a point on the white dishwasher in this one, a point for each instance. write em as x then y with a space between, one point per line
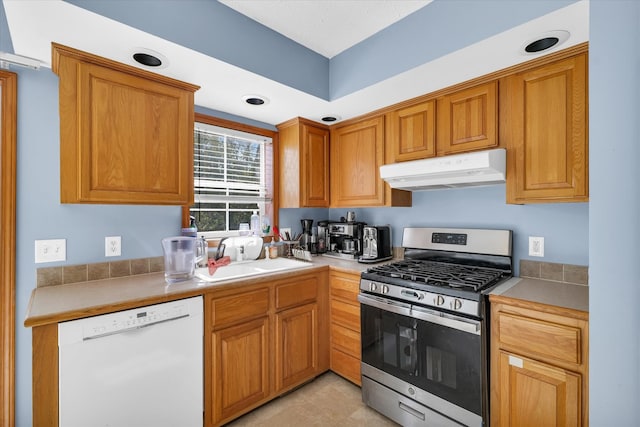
139 367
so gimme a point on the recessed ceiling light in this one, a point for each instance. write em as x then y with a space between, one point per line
146 59
330 119
149 58
544 42
255 99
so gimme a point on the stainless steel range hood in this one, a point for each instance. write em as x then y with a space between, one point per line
460 170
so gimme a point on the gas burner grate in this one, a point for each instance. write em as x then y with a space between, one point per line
439 274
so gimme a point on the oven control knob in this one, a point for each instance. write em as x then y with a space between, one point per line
384 289
457 304
372 287
439 300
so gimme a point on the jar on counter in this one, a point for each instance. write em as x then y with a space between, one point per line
273 250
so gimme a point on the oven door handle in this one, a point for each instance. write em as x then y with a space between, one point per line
465 325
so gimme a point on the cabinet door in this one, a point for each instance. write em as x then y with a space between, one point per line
546 133
303 149
536 394
357 152
241 368
468 120
411 132
124 138
315 176
296 345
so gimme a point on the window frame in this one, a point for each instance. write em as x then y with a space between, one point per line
271 208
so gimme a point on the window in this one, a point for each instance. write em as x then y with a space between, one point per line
232 178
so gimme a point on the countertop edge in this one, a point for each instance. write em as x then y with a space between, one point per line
150 283
555 296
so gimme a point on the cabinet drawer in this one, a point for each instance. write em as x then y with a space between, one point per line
238 308
346 366
541 337
347 315
296 293
345 287
346 340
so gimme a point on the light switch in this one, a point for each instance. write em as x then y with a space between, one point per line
51 250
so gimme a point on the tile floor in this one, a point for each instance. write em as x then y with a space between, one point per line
329 400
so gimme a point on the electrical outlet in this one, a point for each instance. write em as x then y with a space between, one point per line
51 250
112 246
536 246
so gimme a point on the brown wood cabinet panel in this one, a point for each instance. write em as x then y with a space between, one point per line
346 340
296 345
357 152
346 366
468 119
544 338
241 368
304 164
345 314
45 375
536 394
411 132
345 286
239 307
296 293
126 135
545 128
539 364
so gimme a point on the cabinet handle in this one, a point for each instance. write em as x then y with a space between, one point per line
515 361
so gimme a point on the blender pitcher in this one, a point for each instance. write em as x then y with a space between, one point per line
181 254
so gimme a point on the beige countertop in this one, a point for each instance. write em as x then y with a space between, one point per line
559 294
51 304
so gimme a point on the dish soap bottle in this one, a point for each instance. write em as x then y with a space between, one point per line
255 224
192 230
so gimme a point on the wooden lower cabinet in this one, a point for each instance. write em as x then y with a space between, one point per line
263 340
537 394
240 368
296 338
539 365
345 325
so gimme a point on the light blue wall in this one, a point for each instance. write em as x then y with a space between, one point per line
614 213
437 29
565 227
219 31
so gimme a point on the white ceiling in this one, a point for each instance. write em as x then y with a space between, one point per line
327 27
34 24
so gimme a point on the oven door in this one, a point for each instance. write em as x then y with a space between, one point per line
434 351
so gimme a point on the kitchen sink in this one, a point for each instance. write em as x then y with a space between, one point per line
240 269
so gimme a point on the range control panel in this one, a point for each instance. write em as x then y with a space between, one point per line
449 238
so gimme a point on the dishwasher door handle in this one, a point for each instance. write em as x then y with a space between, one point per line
134 328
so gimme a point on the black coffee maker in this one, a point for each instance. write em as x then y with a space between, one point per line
307 236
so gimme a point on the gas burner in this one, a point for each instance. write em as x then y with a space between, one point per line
439 274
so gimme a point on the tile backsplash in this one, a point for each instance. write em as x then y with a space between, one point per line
51 276
567 273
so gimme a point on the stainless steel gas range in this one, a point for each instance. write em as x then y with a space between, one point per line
424 326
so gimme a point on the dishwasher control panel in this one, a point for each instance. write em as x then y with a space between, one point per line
108 324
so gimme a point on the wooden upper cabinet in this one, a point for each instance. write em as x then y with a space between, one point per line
544 123
411 132
126 135
468 119
304 164
357 152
